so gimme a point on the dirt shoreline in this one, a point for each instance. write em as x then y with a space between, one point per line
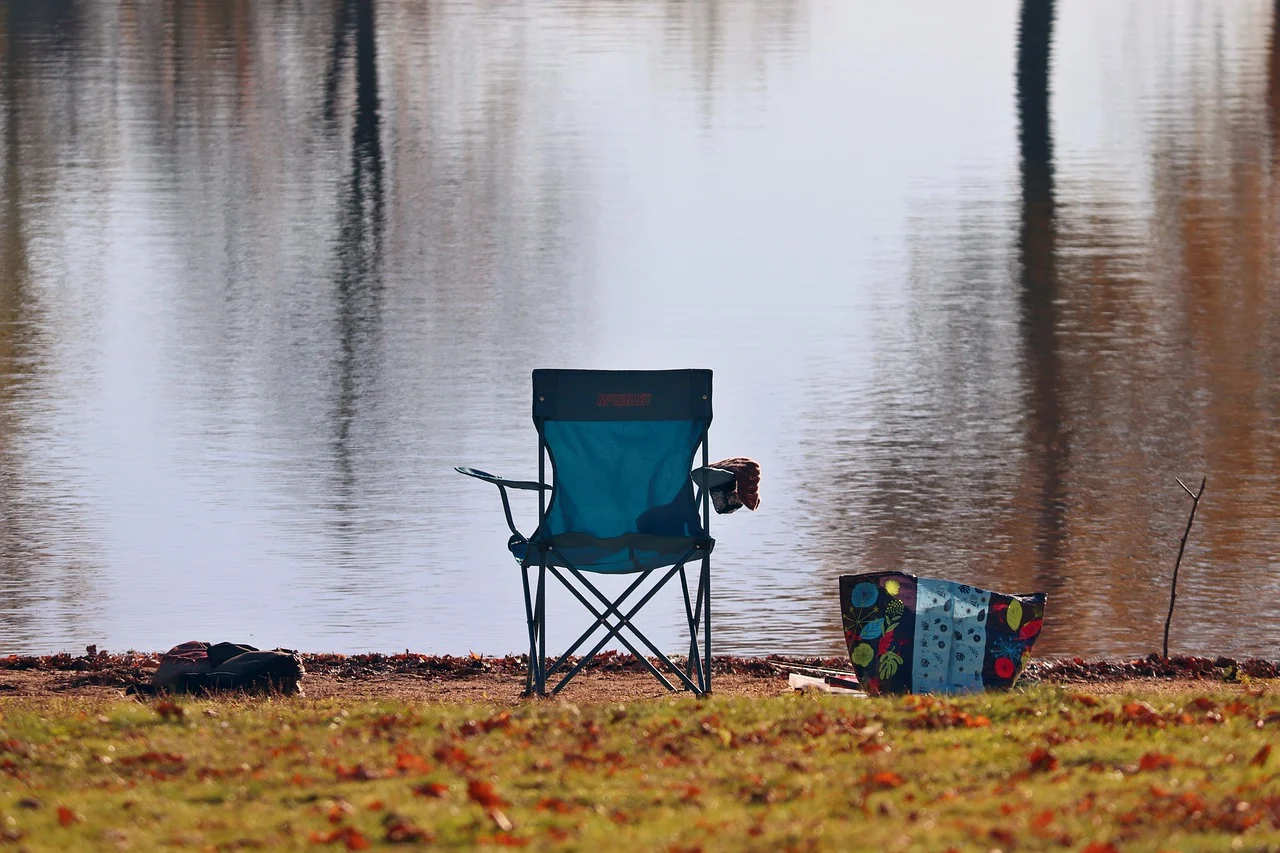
610 678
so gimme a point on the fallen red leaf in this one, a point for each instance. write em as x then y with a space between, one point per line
1042 760
554 804
339 811
453 755
883 779
1192 802
1003 835
359 773
1042 820
498 721
408 762
66 816
167 709
152 758
1142 713
430 789
1156 761
347 835
504 839
1100 847
483 793
1261 756
401 830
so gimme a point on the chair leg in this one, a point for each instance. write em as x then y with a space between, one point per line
693 663
705 582
530 672
542 630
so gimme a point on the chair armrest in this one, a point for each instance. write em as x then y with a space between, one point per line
499 481
503 485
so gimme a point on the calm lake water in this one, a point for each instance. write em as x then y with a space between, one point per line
977 282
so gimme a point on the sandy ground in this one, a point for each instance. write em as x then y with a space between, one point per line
503 688
499 688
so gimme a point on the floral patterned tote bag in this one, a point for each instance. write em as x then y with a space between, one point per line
908 634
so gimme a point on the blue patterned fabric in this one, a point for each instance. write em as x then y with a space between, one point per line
951 637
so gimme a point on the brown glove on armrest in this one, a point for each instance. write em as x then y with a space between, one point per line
746 478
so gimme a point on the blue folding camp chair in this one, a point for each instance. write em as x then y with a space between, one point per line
622 501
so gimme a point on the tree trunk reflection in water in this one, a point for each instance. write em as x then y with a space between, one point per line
1048 440
1273 88
14 572
358 274
53 25
1273 114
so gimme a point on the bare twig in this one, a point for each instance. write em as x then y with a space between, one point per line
1173 587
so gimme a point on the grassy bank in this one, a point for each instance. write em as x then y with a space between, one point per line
1041 767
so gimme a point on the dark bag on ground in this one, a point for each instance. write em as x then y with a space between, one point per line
198 667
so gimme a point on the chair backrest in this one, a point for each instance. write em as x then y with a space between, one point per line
621 444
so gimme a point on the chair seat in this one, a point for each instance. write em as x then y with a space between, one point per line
634 552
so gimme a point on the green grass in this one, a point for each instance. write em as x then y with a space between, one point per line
1038 768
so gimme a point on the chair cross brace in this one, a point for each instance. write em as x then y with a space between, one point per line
695 676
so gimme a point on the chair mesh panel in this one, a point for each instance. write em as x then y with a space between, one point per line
623 500
614 478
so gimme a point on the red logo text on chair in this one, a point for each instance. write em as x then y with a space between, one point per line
623 400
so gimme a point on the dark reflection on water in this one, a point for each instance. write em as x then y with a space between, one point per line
43 33
976 287
357 275
1048 439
